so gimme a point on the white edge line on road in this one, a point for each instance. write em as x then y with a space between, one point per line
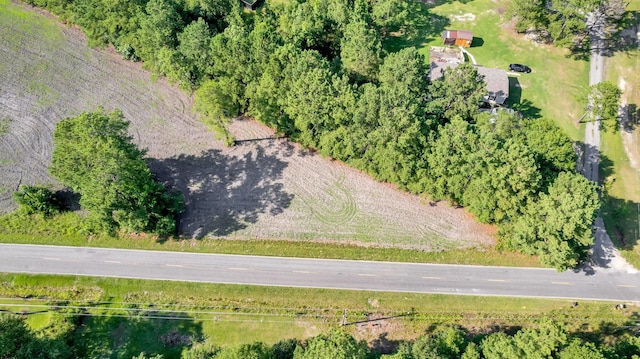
174 265
497 280
278 257
116 262
339 288
51 259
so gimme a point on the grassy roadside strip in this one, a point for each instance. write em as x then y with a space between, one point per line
232 314
621 204
63 230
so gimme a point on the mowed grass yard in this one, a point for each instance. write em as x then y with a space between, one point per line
233 314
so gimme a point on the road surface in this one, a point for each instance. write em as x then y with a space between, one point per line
320 273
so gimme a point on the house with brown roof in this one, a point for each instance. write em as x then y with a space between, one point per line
462 38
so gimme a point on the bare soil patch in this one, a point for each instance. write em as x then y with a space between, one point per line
263 188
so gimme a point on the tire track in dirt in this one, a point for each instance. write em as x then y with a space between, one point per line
262 188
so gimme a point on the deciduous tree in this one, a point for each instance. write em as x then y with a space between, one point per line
94 156
604 101
457 94
557 227
360 50
333 345
37 200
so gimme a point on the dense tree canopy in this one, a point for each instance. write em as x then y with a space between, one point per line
360 50
95 157
567 211
333 345
18 341
458 93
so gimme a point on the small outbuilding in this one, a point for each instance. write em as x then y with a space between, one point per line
462 38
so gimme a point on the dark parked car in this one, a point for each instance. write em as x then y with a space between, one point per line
519 68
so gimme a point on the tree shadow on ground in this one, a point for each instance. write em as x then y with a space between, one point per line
626 37
383 345
516 102
424 27
125 336
477 42
605 330
621 216
224 193
629 117
70 200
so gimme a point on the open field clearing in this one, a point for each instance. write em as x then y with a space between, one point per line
232 314
262 188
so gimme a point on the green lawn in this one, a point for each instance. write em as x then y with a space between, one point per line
231 314
621 209
64 230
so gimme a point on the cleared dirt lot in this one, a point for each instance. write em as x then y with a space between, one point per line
262 188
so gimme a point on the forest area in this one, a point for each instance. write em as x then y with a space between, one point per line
316 72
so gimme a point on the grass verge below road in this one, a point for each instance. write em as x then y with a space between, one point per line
620 169
232 314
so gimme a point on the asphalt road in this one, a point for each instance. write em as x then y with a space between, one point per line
319 273
596 71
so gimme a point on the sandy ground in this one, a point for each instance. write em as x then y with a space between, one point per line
261 188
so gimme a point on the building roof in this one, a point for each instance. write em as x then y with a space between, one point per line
442 57
457 34
496 79
436 69
497 84
445 54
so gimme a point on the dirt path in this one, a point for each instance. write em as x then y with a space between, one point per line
258 189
